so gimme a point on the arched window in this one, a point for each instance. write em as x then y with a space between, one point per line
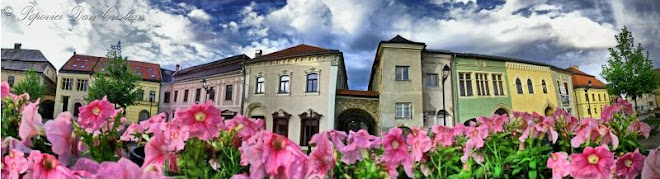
144 115
259 87
313 82
530 86
284 83
76 109
519 86
545 88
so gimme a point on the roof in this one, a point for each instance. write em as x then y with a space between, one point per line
229 64
357 93
581 79
500 58
16 65
167 75
24 59
399 39
295 51
92 64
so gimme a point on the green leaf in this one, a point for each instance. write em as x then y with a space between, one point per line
516 171
532 174
532 164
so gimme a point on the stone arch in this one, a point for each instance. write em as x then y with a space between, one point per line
549 111
76 108
143 115
46 108
501 111
498 109
256 110
355 119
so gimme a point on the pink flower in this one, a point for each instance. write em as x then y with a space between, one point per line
321 160
338 137
476 136
4 91
14 164
547 126
640 127
163 145
203 120
130 133
396 152
249 126
608 111
122 169
443 135
11 143
629 165
153 123
590 129
283 157
31 124
627 107
252 154
420 143
85 168
94 116
495 123
652 164
357 143
559 164
592 163
59 133
46 166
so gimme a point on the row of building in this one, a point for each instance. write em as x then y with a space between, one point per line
302 90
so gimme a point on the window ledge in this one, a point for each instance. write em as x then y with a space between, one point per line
402 118
283 94
403 80
312 93
259 94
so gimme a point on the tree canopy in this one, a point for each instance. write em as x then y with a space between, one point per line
118 81
31 85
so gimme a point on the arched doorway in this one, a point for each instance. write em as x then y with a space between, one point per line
354 120
46 109
549 111
76 109
144 115
501 111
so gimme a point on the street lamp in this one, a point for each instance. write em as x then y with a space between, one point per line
586 90
445 74
205 85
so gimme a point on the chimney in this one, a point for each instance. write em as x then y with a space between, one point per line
258 54
17 46
178 67
576 67
74 52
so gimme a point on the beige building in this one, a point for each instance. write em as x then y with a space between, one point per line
564 89
76 76
645 103
294 90
17 61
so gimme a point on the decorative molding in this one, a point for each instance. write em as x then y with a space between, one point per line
313 70
310 114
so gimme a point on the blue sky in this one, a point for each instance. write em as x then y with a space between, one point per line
562 33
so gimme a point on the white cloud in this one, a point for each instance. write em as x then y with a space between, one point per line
200 15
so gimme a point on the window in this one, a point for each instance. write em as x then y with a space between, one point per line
586 96
401 73
498 85
284 84
566 86
197 94
309 127
259 88
82 85
482 84
593 97
599 99
141 95
530 86
465 84
10 80
152 96
403 110
166 97
229 90
185 96
211 93
519 86
66 83
431 79
588 110
545 88
281 123
65 103
176 95
313 82
76 109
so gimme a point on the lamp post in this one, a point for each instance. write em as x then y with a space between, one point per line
445 74
152 96
586 91
205 85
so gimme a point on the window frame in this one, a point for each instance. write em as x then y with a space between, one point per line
432 78
519 88
185 95
211 93
166 97
544 87
465 84
403 115
229 92
284 86
498 85
198 95
259 87
530 86
404 75
314 83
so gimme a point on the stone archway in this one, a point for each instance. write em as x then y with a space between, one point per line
356 119
549 111
501 111
46 108
256 111
76 109
144 115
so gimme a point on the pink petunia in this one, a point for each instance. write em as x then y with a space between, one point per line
321 160
249 126
547 126
9 143
14 164
476 137
494 123
608 111
337 137
94 115
627 107
443 135
592 163
85 168
152 124
358 142
59 132
629 165
131 132
162 147
283 157
31 124
46 166
122 169
251 154
4 90
419 142
559 164
651 167
202 120
640 127
396 152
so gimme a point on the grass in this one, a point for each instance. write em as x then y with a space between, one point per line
653 121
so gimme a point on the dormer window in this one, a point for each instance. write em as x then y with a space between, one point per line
86 60
77 59
82 66
75 65
139 74
150 69
153 75
137 67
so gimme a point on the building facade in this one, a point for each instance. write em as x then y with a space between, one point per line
166 88
16 61
564 90
589 99
644 103
294 90
76 75
533 88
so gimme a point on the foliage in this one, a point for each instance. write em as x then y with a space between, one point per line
30 85
11 115
118 82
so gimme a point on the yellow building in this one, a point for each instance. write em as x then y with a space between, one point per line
590 94
77 74
532 88
657 93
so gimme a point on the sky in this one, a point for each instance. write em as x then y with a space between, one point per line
562 33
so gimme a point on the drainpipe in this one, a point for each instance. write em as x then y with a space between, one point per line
454 89
245 85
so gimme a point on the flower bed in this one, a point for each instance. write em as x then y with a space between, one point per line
198 143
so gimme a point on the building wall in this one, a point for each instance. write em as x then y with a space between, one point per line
595 102
563 84
144 104
20 76
432 63
394 91
166 106
297 101
74 95
540 101
218 83
645 103
469 107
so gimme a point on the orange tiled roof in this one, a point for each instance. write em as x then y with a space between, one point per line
581 79
357 93
295 51
92 64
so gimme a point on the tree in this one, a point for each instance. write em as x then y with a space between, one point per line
119 82
629 71
30 85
